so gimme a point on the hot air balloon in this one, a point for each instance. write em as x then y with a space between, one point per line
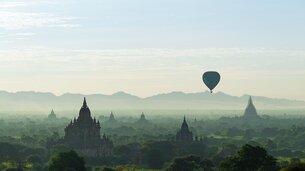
211 79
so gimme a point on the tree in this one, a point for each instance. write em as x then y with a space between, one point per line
270 145
295 160
231 132
60 148
249 133
156 153
128 154
107 169
35 159
36 162
188 163
191 163
67 161
70 169
9 151
295 167
207 165
250 158
11 169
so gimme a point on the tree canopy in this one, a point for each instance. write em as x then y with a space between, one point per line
67 161
250 158
191 163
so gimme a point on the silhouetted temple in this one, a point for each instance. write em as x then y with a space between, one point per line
250 112
184 134
52 115
142 120
83 135
111 118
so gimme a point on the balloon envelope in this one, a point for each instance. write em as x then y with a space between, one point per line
211 79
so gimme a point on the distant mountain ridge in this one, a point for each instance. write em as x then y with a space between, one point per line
39 101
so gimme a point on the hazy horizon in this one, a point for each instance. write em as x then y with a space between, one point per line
176 101
143 97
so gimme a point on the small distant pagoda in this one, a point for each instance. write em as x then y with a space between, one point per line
111 118
250 112
52 115
142 120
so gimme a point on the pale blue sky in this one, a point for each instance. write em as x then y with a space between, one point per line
147 47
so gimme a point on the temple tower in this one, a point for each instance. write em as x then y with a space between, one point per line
184 134
250 111
83 134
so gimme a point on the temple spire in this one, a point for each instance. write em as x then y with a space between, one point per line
184 134
85 103
250 112
184 124
52 115
111 116
142 116
250 102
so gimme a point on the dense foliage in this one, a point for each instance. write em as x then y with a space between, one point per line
220 143
250 158
67 161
